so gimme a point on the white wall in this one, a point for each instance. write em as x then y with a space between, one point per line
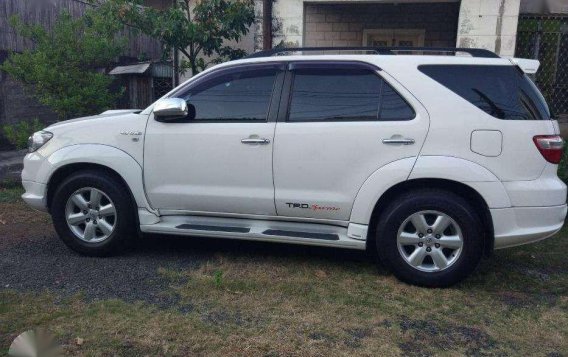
489 24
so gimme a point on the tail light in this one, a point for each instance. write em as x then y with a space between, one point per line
550 146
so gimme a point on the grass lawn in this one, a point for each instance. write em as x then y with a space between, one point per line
246 303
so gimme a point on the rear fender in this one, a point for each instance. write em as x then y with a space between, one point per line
466 172
376 185
427 167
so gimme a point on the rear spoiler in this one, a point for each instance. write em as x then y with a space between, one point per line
529 66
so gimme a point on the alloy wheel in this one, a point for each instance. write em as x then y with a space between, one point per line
430 241
91 215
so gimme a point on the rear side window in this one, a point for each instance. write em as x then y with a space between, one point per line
393 107
344 95
504 92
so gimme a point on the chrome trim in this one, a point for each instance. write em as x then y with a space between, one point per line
171 107
403 141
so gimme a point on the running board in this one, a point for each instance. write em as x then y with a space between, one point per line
259 230
201 227
281 232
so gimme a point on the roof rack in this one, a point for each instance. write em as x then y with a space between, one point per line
474 52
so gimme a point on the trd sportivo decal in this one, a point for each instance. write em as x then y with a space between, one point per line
313 207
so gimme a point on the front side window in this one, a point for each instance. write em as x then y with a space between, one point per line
344 95
501 91
238 96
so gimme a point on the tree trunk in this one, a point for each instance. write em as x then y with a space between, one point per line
266 24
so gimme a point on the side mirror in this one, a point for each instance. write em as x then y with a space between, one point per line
173 109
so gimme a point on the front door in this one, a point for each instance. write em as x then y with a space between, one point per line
344 122
221 161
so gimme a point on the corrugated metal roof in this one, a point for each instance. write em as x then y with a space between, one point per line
139 68
163 70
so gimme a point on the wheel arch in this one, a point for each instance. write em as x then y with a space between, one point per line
458 188
115 162
65 171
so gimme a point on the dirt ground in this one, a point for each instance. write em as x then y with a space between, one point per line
184 296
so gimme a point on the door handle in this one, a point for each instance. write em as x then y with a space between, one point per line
255 141
398 140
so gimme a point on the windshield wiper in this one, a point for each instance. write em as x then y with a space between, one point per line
500 113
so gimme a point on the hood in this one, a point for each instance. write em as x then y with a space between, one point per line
106 114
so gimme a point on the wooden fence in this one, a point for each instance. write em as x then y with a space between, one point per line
45 13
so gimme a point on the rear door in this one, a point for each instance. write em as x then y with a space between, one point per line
339 122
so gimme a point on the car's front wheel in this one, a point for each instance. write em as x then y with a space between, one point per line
430 238
92 213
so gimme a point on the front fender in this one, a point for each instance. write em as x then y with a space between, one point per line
41 169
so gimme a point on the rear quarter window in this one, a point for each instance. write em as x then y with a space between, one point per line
504 92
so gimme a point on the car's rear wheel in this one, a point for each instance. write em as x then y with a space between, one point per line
92 213
430 238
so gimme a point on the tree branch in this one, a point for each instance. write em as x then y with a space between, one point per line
184 51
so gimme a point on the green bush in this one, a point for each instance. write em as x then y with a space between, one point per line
18 134
62 69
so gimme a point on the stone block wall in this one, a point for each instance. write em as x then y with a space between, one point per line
343 24
490 24
17 105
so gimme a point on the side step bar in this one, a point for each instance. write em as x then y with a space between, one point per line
260 230
200 227
280 232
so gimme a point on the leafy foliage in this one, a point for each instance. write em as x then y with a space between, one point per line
62 69
195 28
18 134
10 192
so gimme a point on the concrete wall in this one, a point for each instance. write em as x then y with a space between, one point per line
490 24
343 24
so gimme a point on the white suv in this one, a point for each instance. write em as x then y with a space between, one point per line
431 160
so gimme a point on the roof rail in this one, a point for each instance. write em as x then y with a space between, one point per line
474 52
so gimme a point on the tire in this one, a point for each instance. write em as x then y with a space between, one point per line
97 189
420 260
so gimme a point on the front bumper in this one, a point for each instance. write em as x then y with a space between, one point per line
35 195
521 225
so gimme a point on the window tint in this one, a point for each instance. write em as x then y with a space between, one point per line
393 107
240 96
501 91
344 95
